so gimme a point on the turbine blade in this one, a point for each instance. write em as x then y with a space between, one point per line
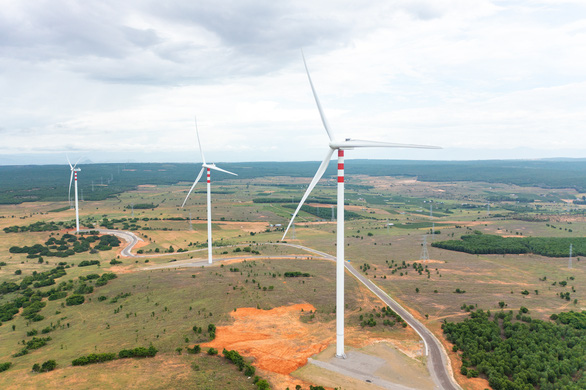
221 170
74 165
193 186
321 113
203 159
70 180
357 143
318 175
70 166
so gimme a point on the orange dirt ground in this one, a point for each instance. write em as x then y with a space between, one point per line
279 342
276 338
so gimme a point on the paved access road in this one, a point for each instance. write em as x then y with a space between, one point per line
437 360
131 238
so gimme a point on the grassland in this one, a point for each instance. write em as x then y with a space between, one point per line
164 305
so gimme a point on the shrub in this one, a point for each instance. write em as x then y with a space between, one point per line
249 370
75 300
93 358
57 295
196 349
49 365
212 351
5 366
138 352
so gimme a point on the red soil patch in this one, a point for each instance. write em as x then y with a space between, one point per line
276 338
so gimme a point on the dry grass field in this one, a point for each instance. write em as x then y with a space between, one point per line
255 308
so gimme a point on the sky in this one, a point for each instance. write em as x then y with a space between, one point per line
118 81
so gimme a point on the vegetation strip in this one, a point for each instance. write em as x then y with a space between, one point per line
94 358
486 244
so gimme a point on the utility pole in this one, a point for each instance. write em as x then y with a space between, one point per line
132 212
570 259
190 225
432 223
424 254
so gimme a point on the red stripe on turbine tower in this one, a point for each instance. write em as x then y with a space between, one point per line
208 175
75 174
340 166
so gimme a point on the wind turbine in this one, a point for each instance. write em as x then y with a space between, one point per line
209 167
74 171
340 146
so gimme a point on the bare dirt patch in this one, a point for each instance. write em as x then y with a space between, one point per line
118 269
246 226
277 339
468 223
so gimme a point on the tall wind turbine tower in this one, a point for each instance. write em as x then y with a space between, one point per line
74 171
209 167
340 146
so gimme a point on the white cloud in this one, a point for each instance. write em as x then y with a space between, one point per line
129 77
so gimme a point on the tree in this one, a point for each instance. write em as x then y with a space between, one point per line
263 385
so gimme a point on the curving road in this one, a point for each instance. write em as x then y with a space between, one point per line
437 360
131 238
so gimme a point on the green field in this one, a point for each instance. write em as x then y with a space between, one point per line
160 306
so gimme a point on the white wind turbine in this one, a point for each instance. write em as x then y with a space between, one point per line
207 166
74 171
340 146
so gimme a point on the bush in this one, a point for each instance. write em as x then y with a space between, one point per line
196 349
249 370
57 295
49 365
138 352
93 358
5 366
75 300
235 358
212 351
86 263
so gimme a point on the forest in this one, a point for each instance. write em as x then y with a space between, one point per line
29 183
520 355
487 244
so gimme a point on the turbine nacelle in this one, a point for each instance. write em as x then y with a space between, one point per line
214 167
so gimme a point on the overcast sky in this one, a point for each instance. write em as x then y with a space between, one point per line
123 80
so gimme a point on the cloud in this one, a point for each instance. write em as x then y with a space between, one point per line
129 76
